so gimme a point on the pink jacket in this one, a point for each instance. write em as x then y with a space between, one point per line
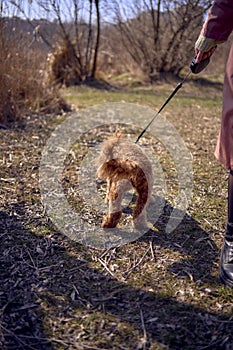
219 22
217 27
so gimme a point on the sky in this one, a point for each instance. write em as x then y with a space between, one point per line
42 9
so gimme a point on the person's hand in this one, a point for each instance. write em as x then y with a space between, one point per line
204 47
202 55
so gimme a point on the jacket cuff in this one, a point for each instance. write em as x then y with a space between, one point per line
205 44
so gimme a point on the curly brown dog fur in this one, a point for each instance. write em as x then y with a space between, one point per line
124 165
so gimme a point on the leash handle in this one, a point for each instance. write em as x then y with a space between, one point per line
197 67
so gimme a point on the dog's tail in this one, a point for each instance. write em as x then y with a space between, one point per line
110 169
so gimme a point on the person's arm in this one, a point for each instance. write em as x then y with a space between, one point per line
216 29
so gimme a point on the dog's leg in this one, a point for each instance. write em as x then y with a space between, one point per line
139 213
115 198
108 190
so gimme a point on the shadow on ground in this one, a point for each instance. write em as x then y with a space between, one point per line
51 297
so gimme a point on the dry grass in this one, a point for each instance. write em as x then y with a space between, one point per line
63 68
23 85
160 292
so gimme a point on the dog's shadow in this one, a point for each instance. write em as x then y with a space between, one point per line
48 283
188 238
200 251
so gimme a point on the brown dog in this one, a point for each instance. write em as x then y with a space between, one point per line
124 165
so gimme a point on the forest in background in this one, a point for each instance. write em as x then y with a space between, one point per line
48 44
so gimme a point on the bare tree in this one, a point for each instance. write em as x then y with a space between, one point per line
76 44
159 34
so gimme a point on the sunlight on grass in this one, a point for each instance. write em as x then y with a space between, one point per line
189 95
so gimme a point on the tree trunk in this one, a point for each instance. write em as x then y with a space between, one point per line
96 50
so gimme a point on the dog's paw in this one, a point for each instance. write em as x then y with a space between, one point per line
108 225
111 220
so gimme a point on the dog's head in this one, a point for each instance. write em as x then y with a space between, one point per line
107 148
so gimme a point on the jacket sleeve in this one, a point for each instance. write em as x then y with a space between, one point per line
219 22
217 27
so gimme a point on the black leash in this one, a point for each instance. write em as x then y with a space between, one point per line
194 68
165 103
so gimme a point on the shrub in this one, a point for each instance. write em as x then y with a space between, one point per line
23 85
63 67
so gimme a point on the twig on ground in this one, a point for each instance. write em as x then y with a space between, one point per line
136 264
33 262
106 267
152 249
145 338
